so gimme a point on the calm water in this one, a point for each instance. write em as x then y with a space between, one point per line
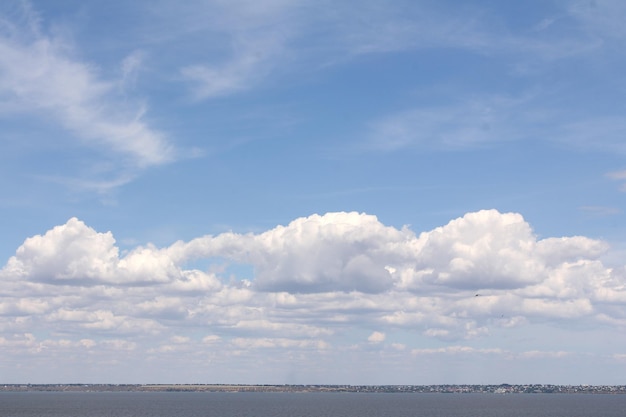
134 404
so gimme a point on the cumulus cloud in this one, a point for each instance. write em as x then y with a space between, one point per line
337 251
486 249
376 337
70 251
75 254
315 279
251 63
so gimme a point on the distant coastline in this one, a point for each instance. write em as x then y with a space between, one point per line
444 389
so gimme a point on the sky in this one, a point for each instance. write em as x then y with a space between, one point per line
313 192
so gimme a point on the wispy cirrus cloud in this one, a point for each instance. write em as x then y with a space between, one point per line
254 40
41 75
262 39
259 39
251 61
489 120
481 121
618 176
602 18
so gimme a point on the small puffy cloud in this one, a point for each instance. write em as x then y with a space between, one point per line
211 339
180 339
88 343
119 345
617 175
376 337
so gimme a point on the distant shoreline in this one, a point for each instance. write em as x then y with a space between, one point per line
444 389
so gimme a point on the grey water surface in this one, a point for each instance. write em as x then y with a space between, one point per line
203 404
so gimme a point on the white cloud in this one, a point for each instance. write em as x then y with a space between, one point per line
485 121
252 61
460 350
119 345
251 41
269 327
40 74
456 350
337 251
211 339
617 175
130 67
476 122
75 254
68 252
376 337
269 343
481 275
600 210
601 17
264 39
180 339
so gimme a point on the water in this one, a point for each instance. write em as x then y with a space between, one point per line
196 404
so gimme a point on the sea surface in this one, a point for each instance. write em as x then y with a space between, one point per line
203 404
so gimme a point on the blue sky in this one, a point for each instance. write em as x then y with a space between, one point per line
313 192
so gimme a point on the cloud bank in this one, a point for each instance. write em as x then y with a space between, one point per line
316 282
